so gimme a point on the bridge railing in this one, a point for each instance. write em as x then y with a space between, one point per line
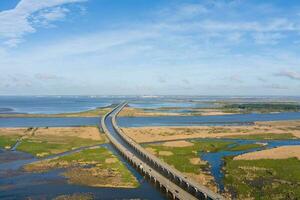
205 192
170 187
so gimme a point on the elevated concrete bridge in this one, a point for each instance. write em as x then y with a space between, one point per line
169 180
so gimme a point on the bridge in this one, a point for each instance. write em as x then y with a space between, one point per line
169 180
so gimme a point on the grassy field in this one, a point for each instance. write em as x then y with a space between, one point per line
263 179
8 141
181 156
9 136
223 108
170 111
45 146
48 141
96 167
262 107
186 159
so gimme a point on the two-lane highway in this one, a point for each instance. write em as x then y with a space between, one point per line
173 182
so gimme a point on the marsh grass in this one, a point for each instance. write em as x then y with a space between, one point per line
76 196
262 107
263 179
8 141
89 167
46 145
244 147
181 158
267 136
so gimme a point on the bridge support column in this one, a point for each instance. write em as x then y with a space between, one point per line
174 197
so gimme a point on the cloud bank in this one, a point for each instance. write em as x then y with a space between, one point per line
21 20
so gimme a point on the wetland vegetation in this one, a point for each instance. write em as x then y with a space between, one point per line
43 142
10 136
76 196
240 178
262 107
263 179
184 156
244 147
267 136
220 108
8 141
42 146
96 167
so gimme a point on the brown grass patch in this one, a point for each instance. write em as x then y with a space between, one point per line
282 152
181 143
81 132
151 150
165 153
111 160
197 161
13 131
95 177
153 134
204 179
75 197
138 112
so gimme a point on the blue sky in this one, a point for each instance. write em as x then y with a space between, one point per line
143 47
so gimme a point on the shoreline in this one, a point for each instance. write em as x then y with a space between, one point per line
145 112
94 112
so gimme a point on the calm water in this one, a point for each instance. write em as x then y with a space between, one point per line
216 159
16 184
205 120
49 122
240 119
68 104
52 104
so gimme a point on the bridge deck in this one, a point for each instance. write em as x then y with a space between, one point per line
173 181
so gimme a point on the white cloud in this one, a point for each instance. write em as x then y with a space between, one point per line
15 80
182 12
267 38
289 74
17 22
100 42
280 24
44 17
13 42
234 27
194 44
192 10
